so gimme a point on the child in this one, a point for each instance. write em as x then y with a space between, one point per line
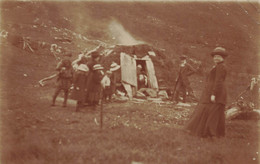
106 84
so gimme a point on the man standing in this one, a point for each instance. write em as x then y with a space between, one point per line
182 85
64 80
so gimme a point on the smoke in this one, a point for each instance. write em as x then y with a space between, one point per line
121 35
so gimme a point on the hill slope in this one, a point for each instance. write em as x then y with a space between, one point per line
191 28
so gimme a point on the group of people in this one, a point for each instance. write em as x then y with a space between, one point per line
87 79
208 119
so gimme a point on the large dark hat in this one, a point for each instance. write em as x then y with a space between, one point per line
219 51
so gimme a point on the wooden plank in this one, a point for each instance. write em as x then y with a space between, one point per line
152 80
128 69
128 89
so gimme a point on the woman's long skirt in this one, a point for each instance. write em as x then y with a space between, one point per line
208 120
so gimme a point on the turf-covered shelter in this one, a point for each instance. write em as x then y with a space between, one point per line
129 56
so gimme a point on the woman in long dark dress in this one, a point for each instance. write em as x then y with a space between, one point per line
79 81
208 120
95 91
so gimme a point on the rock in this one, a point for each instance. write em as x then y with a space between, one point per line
183 104
163 94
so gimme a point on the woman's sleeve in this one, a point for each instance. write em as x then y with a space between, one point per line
219 79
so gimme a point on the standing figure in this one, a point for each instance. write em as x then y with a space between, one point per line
182 85
208 119
141 77
106 84
95 59
254 92
79 81
115 76
64 79
95 89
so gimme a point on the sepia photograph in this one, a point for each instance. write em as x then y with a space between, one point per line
129 82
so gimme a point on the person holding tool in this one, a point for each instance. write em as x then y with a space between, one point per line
182 85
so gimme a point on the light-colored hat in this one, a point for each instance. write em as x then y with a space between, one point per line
97 67
139 66
114 66
83 67
219 51
108 72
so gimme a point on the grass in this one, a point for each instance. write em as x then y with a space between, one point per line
145 133
34 133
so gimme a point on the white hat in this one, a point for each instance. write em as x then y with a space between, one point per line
139 66
83 67
114 66
97 67
80 56
108 72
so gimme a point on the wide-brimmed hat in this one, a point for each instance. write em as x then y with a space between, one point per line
108 72
97 67
219 51
83 67
114 66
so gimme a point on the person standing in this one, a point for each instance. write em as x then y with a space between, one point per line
115 77
106 84
95 59
79 81
254 92
95 89
142 81
182 85
64 79
208 119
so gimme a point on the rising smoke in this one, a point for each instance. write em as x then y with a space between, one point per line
119 33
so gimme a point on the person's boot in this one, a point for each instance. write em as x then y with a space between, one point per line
53 101
65 99
55 96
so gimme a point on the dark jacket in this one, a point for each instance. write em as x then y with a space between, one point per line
79 91
115 78
215 85
64 79
184 73
95 89
90 65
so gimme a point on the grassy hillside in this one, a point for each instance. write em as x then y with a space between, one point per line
133 132
190 28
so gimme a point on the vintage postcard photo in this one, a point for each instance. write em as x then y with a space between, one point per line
129 82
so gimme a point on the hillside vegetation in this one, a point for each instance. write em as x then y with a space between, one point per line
133 132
